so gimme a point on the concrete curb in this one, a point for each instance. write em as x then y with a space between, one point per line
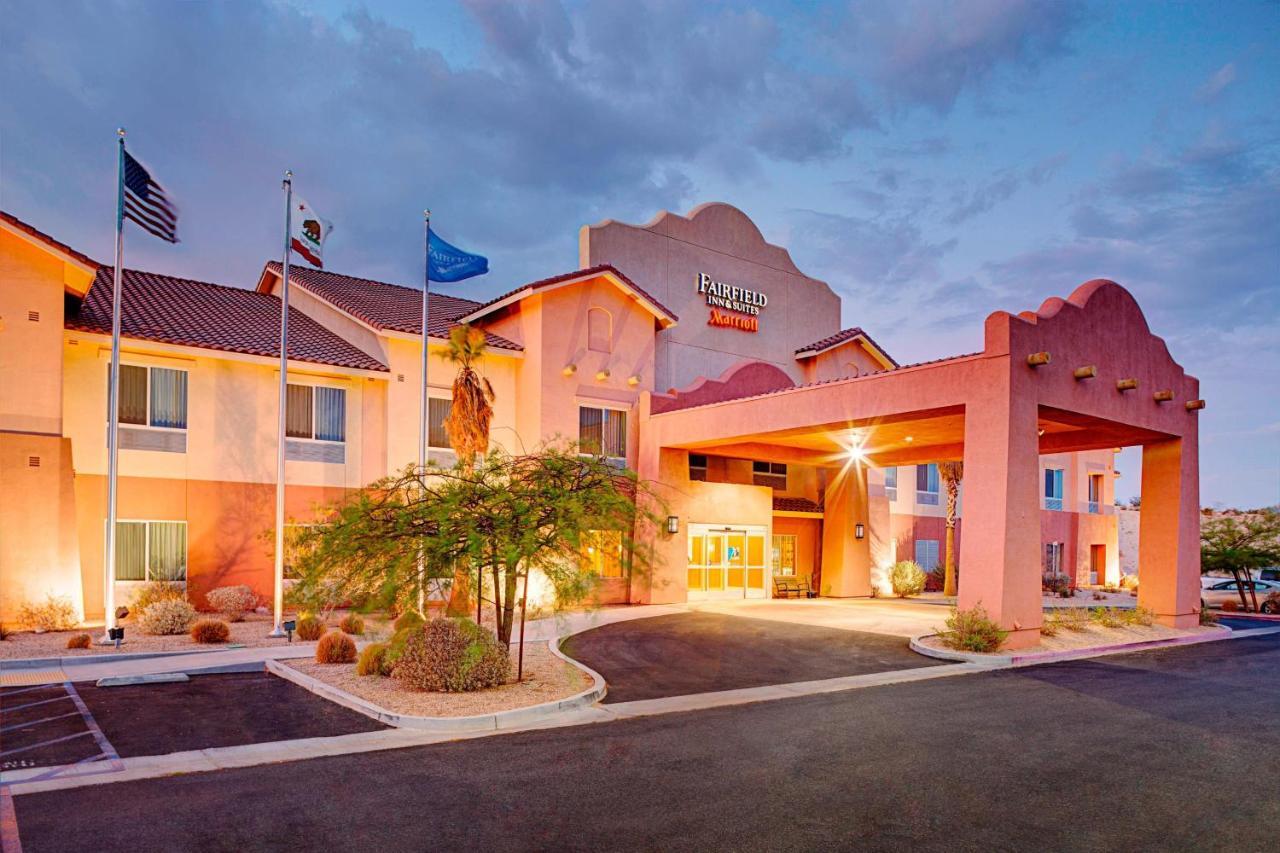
496 721
89 660
1015 659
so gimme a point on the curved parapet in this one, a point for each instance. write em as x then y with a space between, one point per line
745 379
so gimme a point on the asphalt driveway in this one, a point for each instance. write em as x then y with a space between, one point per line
703 652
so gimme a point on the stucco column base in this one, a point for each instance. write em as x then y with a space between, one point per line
1023 638
1178 620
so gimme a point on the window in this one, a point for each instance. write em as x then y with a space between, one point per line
927 554
438 412
784 554
151 550
1053 488
927 484
891 483
599 330
152 396
773 474
602 432
1095 492
316 412
602 553
698 467
1053 559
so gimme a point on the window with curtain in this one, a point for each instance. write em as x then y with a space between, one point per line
152 396
316 411
151 550
602 432
602 553
927 484
437 435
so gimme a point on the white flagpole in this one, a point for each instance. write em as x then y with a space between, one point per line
113 407
423 428
278 574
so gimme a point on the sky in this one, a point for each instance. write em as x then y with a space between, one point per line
932 160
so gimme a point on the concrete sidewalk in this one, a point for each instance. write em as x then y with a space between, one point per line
91 668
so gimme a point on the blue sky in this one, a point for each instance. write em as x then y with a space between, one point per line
933 161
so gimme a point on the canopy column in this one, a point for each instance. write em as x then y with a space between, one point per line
1169 532
846 560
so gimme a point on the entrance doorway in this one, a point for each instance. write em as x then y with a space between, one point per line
1097 563
726 562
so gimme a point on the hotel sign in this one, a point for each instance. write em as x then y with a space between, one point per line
731 307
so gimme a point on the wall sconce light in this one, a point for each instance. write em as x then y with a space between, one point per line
602 375
570 369
673 524
633 379
859 530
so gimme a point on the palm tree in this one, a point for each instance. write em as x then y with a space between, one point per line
951 473
472 411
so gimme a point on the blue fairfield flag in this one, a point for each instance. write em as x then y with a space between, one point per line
446 262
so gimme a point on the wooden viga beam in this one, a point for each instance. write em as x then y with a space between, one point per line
1163 396
1088 371
1195 405
1126 385
1036 359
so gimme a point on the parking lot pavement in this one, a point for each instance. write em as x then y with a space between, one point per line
702 652
1143 751
55 724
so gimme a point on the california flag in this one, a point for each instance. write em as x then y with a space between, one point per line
309 232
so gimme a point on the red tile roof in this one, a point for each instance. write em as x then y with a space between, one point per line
654 305
387 306
841 337
46 239
795 505
211 316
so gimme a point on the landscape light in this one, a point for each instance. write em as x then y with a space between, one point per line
289 628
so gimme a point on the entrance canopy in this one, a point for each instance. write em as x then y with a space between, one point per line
1083 373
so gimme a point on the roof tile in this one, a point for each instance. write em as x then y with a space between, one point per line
588 271
211 316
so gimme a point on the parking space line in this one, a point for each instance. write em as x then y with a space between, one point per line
8 752
92 724
4 729
34 704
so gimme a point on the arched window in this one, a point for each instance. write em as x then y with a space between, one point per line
599 330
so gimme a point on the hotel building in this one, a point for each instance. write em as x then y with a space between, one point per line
688 348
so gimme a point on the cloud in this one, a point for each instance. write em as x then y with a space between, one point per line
927 53
1000 186
1216 84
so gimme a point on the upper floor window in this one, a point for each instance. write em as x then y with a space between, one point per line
437 435
891 483
317 412
1053 488
773 474
152 396
927 484
602 432
599 330
698 467
1095 492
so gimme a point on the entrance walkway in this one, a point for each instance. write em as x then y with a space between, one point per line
706 651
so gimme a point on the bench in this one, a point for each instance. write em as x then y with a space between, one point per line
790 586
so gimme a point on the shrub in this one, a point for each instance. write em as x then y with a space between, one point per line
1049 627
1097 596
452 655
233 601
352 624
1071 618
372 660
1107 617
57 613
972 631
152 591
906 578
79 641
211 631
1129 582
408 619
1138 616
335 647
167 616
4 632
309 628
1271 605
1208 617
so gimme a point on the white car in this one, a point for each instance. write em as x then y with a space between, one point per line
1215 594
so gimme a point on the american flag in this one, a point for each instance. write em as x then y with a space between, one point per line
145 202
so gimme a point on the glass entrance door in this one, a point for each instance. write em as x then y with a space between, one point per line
726 562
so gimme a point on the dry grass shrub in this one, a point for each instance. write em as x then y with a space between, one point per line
309 628
372 660
79 641
167 616
56 613
211 631
352 624
233 602
452 655
336 647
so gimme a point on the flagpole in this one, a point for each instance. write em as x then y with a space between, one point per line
113 406
278 574
423 429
